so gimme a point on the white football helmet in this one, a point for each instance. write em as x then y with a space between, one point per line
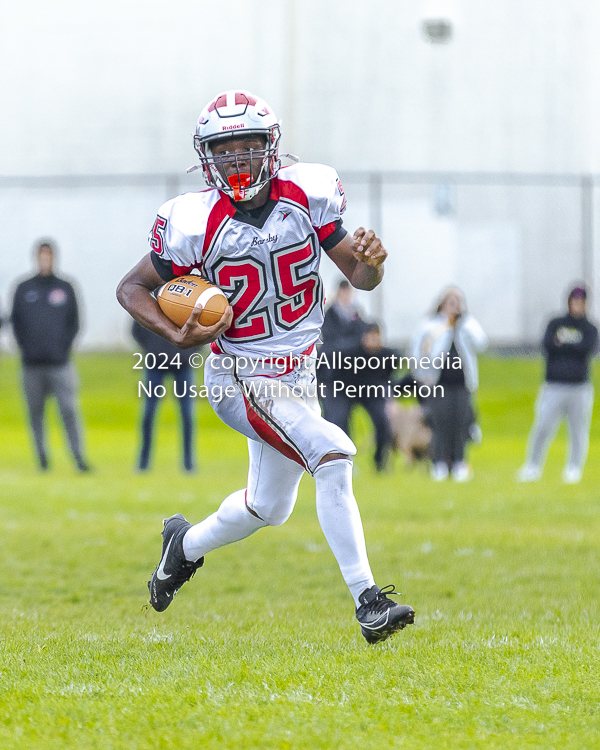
233 114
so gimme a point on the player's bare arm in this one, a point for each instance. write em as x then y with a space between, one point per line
135 295
360 258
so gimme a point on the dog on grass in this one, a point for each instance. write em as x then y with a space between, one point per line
410 434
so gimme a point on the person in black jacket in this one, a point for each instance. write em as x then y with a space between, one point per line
342 329
45 321
183 374
569 344
369 386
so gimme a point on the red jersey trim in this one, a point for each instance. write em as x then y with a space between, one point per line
324 232
184 270
289 191
220 212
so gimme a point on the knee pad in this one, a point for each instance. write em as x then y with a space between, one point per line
274 514
273 504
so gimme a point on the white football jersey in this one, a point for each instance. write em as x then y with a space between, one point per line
266 261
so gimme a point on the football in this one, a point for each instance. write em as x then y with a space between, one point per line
177 298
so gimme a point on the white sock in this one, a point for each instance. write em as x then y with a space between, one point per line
232 522
340 520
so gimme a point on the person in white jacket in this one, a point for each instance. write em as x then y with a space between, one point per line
451 337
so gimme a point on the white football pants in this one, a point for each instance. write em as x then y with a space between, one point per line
286 436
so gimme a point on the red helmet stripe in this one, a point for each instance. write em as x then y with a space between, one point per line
241 98
220 102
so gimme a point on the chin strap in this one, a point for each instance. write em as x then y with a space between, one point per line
239 183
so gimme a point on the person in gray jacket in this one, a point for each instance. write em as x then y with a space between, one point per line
451 337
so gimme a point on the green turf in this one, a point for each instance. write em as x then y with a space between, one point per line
261 649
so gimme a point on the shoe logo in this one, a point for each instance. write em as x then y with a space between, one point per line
379 623
160 571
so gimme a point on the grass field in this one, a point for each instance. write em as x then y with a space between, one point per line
261 649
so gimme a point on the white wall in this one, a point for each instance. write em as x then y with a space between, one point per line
116 87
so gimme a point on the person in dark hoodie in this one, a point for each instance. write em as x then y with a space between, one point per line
569 344
45 321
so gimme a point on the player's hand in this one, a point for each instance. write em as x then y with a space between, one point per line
194 334
367 248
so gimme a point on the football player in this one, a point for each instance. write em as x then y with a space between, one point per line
258 232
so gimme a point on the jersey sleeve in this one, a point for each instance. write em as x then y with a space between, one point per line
175 250
326 201
327 204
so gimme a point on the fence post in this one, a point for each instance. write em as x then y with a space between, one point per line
291 66
587 229
376 221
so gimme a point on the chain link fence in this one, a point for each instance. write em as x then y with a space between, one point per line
513 242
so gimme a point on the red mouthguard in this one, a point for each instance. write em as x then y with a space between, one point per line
239 185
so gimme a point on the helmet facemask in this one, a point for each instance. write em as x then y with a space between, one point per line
239 183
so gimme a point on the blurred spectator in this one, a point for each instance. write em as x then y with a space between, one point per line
45 321
569 343
455 336
378 372
183 376
342 329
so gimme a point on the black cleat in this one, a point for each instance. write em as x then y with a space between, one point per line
173 570
380 617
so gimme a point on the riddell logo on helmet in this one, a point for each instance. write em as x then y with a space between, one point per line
234 127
